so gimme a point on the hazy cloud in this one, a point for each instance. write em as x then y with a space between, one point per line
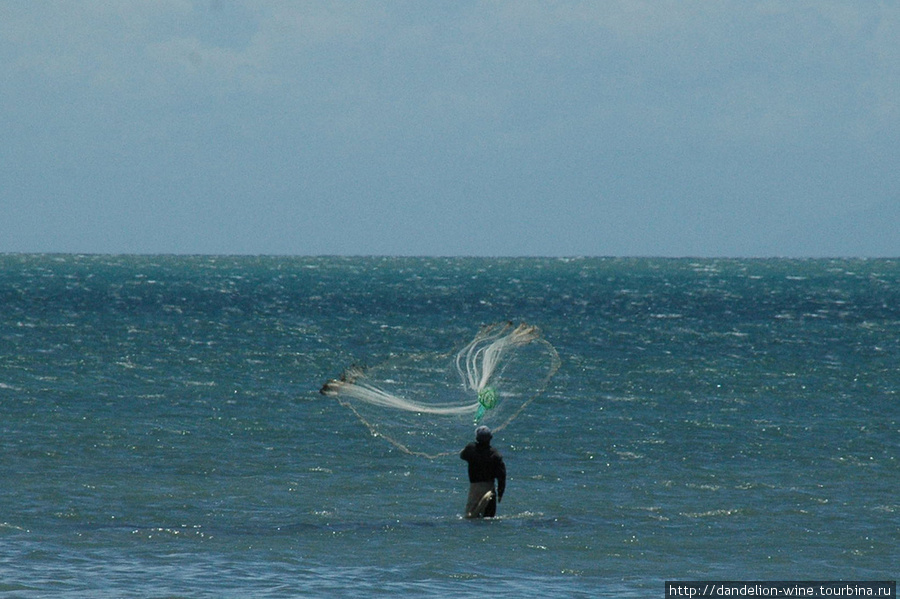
445 127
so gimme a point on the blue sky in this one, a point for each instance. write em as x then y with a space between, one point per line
690 128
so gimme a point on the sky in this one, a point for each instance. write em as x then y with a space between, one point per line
458 128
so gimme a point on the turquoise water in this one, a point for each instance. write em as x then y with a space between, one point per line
163 434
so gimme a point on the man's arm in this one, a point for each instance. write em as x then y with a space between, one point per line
466 453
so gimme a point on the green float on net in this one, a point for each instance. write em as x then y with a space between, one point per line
487 400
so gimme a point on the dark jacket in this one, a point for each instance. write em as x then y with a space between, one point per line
485 465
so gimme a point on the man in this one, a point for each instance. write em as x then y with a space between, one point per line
485 465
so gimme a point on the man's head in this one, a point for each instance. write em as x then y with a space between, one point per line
483 434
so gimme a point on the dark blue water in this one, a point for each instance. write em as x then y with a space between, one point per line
162 434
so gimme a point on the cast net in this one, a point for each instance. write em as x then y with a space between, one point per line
427 404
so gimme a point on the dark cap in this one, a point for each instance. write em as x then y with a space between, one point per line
483 434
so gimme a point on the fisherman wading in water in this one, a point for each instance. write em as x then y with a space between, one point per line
485 465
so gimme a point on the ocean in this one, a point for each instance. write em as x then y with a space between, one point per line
163 435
